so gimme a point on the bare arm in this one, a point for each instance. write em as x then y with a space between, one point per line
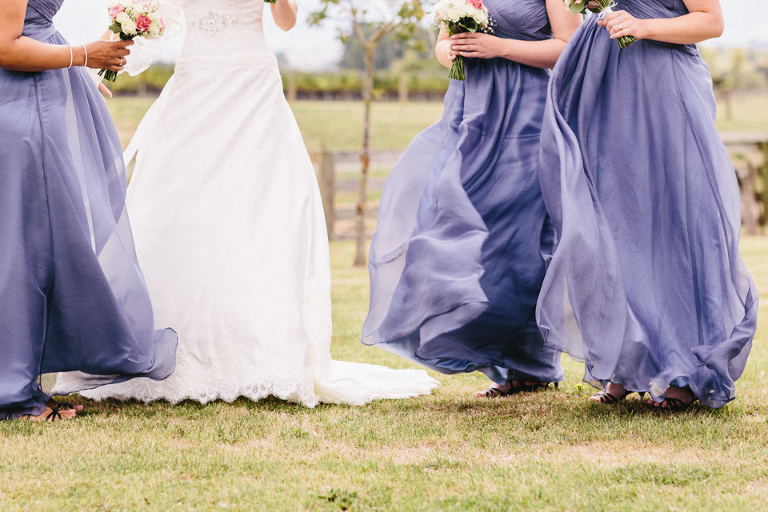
19 53
704 21
540 54
284 13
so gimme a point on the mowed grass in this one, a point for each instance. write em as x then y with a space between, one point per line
550 450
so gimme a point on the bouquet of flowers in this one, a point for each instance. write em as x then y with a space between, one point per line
461 16
603 8
134 18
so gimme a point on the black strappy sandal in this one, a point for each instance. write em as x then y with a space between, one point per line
604 397
52 416
676 404
521 387
63 406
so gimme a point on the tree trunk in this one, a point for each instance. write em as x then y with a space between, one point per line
763 170
403 88
365 155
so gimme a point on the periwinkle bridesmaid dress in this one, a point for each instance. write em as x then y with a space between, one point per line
459 254
71 292
646 284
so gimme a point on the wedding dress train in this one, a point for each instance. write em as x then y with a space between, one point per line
230 231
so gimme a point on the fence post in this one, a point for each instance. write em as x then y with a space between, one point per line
292 92
327 183
749 207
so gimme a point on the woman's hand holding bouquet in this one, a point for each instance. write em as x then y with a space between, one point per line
134 18
458 16
613 21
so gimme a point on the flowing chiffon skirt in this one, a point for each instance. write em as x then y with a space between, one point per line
459 253
647 285
73 296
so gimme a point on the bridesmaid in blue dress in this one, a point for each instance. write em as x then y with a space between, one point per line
456 262
73 297
646 284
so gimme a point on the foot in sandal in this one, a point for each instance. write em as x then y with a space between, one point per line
52 414
512 387
611 394
677 399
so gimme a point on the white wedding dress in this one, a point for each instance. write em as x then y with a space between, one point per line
230 231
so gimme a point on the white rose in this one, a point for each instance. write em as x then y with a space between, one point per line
122 18
467 10
129 27
154 29
452 14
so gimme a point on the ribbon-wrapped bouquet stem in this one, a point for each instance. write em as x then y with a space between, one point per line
131 19
603 8
461 16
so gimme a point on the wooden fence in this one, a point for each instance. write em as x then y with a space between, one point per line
749 154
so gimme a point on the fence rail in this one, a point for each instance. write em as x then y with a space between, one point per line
748 151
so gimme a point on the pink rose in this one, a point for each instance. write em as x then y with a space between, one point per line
143 23
113 12
477 4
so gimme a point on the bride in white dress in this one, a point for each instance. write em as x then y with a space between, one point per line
230 231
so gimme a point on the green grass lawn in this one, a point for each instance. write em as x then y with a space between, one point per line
549 451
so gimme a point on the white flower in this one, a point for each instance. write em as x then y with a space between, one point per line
129 27
481 17
154 29
452 14
122 18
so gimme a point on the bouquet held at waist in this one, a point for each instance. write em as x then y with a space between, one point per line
603 8
131 19
461 16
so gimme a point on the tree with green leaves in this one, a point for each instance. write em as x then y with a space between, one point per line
380 19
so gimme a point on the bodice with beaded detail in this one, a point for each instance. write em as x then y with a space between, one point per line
224 31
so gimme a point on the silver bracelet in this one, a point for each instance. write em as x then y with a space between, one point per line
71 56
86 56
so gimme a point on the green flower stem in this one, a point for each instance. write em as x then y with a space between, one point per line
626 41
457 69
108 75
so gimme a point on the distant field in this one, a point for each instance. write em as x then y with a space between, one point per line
335 124
338 124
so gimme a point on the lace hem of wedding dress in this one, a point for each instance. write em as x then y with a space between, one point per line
346 383
208 391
